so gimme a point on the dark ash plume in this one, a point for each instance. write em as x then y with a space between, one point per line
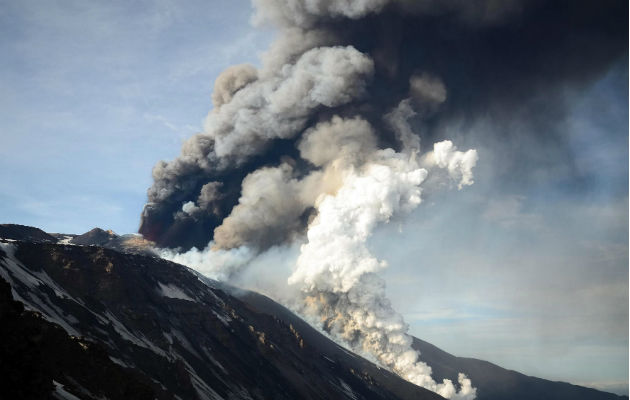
504 61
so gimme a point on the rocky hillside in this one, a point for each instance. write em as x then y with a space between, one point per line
156 325
88 322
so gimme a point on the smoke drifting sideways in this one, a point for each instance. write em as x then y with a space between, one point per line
323 143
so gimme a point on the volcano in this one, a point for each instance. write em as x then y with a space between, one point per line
90 322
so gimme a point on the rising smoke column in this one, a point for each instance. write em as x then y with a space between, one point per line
335 270
322 143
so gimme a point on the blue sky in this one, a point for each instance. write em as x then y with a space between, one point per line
95 93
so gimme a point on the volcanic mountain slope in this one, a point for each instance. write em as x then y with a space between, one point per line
107 324
36 355
492 382
160 330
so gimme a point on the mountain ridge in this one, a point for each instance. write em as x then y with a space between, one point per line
146 312
158 318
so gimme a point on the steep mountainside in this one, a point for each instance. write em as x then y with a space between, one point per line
37 355
184 337
106 324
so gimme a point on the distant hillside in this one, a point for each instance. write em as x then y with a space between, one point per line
496 383
27 233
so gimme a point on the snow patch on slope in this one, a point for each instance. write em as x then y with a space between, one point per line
14 272
61 393
173 292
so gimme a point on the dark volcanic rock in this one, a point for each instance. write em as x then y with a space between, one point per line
96 236
130 243
26 233
107 238
38 355
190 335
160 329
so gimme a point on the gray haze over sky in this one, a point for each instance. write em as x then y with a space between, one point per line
533 277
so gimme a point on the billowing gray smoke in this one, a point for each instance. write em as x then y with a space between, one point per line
344 123
513 63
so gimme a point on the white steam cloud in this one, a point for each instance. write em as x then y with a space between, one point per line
459 164
337 272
